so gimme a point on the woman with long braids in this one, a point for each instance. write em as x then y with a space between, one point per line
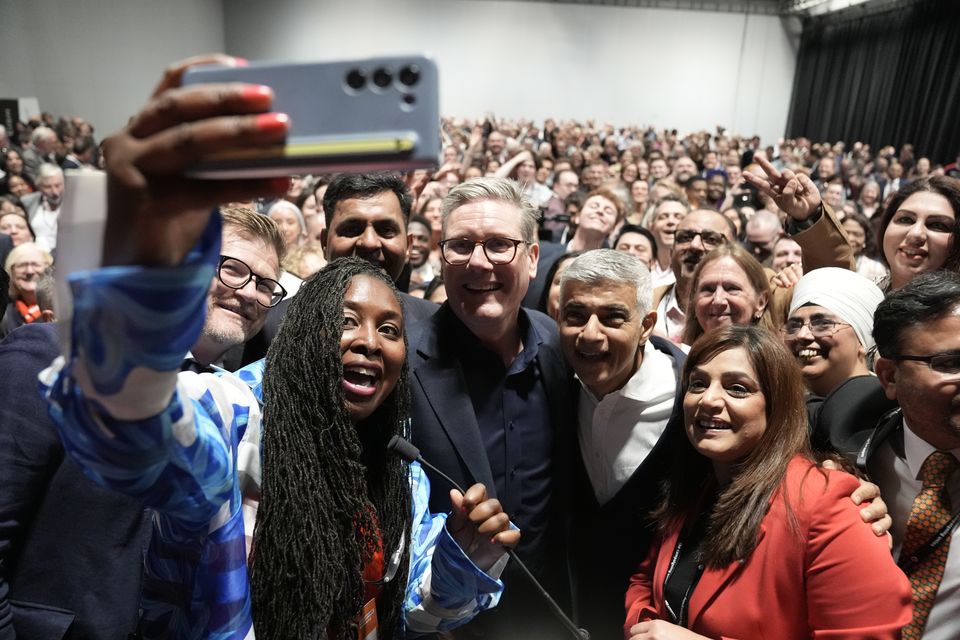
283 467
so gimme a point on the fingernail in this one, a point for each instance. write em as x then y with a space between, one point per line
240 62
493 540
857 500
256 92
272 122
878 530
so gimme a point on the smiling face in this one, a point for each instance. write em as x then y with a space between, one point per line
371 346
484 296
419 240
919 237
724 409
234 315
602 333
855 234
786 252
598 216
370 228
686 256
665 221
829 359
725 296
27 270
289 225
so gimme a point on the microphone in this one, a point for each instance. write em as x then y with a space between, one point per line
406 450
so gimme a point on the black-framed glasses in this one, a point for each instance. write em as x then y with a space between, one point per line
235 273
457 251
819 327
945 363
708 238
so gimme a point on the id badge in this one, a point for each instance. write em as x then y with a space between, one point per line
367 629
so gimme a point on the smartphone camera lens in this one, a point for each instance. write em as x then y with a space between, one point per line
382 78
409 75
356 79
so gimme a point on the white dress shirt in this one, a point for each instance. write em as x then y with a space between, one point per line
619 431
44 222
899 487
662 277
670 318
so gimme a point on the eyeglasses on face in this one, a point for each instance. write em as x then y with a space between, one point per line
819 326
499 251
707 237
36 266
236 274
943 363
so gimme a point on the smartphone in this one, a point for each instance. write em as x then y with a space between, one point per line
356 115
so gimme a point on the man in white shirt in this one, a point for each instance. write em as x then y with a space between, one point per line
915 455
628 384
43 207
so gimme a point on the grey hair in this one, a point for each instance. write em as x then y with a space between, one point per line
764 219
607 265
500 190
48 170
42 132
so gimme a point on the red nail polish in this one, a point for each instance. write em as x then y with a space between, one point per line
256 93
272 122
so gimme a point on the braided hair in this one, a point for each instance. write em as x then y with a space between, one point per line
332 495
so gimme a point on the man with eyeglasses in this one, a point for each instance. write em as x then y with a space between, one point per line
491 398
914 455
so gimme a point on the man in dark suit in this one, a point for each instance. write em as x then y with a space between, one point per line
490 393
914 453
627 393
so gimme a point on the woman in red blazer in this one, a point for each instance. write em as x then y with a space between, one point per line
756 541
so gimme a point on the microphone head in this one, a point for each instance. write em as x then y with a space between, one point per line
403 448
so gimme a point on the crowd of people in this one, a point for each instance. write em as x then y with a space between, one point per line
705 388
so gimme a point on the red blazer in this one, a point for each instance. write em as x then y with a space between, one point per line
835 580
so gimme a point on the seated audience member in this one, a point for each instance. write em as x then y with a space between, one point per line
919 228
304 260
555 219
42 150
422 270
43 207
729 287
637 241
739 220
628 382
869 201
523 168
860 232
755 541
639 201
716 190
786 253
290 221
763 231
598 216
335 513
663 221
913 453
24 265
16 225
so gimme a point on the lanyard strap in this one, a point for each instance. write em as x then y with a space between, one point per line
928 547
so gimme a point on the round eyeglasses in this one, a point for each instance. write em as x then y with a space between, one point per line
458 251
235 273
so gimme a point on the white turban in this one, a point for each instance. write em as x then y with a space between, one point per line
847 294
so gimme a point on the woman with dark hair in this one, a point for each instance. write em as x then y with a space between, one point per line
549 302
919 228
754 540
12 165
729 287
860 233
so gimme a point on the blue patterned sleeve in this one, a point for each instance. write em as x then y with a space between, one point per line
445 589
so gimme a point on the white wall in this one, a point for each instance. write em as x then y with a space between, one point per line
680 69
99 58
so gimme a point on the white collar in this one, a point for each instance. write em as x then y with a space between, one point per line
917 450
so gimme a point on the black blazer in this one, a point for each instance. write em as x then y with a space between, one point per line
445 428
70 552
611 540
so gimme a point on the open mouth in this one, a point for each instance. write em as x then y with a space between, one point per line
360 381
712 425
808 353
593 356
914 254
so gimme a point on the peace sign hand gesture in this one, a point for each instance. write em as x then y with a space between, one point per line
794 193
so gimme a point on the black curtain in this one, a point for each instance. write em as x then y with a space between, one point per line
888 78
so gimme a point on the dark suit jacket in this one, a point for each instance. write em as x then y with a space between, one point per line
611 540
445 429
70 552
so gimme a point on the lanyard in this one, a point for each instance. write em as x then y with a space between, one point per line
928 547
